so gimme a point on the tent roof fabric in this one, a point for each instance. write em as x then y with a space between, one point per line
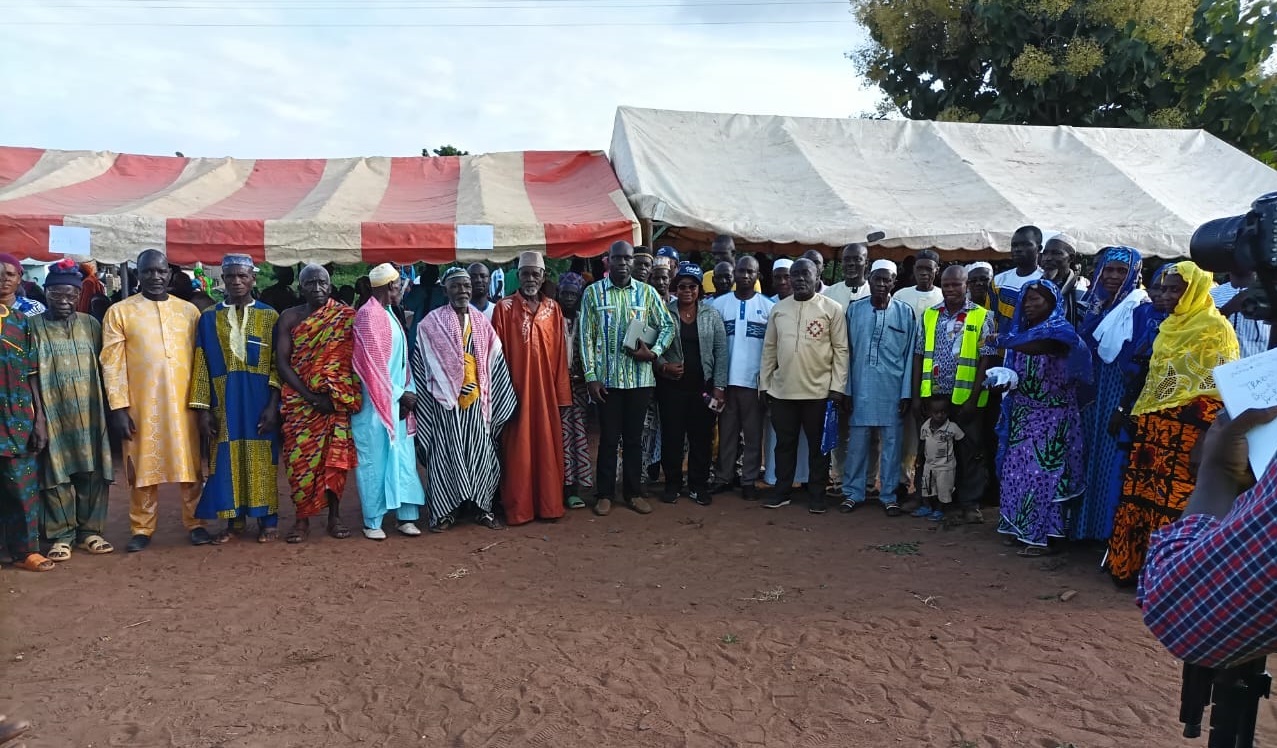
319 210
927 184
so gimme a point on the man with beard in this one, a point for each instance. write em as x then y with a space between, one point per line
1057 266
530 327
578 471
148 347
621 379
314 348
881 332
76 469
383 428
235 389
467 398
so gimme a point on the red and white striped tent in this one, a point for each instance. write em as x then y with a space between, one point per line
284 211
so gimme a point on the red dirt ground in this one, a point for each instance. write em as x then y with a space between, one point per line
731 625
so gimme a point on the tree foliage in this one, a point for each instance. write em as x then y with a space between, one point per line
1105 63
447 150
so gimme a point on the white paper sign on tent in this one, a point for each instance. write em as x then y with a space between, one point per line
474 236
69 240
1252 383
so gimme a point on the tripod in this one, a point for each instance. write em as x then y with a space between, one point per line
1233 694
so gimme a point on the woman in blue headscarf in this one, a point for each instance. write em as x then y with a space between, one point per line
1109 310
1042 463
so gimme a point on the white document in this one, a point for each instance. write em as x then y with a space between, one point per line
1252 383
474 236
69 240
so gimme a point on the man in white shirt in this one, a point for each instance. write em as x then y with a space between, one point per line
479 283
1252 335
744 314
920 297
1026 247
924 294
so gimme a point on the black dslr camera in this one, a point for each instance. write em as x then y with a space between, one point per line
1242 244
1235 244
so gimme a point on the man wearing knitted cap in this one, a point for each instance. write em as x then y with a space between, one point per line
148 346
530 327
384 427
235 389
76 469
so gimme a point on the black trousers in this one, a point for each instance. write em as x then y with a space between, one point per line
621 421
789 418
684 414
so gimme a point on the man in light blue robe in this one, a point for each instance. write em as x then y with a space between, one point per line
881 331
383 428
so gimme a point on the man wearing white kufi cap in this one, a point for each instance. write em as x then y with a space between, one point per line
530 327
383 428
881 330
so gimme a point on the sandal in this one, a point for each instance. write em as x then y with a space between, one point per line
490 521
444 524
337 529
224 537
60 552
35 562
575 502
267 534
1034 551
299 533
96 545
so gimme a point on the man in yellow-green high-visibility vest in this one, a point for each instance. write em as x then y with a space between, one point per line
953 351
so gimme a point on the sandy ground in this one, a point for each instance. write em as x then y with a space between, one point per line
731 625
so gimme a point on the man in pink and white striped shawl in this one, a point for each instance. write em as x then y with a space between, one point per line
468 397
383 428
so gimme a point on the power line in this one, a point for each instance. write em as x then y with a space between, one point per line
283 25
418 5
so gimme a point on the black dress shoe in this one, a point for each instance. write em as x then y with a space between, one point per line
200 536
138 543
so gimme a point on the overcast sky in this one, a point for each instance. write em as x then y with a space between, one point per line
313 78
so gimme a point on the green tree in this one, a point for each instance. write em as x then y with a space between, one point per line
1103 63
447 150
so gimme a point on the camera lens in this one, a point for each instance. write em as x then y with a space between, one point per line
1214 246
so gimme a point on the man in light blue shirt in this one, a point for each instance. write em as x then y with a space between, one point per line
881 331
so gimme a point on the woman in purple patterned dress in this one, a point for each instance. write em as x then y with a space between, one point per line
1042 464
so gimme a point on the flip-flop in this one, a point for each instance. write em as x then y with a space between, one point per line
1034 551
96 545
60 552
337 529
267 534
35 562
298 534
575 502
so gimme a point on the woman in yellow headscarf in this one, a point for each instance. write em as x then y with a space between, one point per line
1173 410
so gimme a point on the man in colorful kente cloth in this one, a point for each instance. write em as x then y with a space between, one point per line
76 469
314 349
148 349
235 388
530 326
22 429
384 427
467 397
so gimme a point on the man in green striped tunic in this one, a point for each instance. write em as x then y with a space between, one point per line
76 468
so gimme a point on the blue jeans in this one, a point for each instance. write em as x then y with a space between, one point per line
856 469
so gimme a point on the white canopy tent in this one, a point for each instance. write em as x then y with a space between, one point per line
950 186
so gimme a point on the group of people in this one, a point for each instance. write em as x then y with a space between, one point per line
1076 404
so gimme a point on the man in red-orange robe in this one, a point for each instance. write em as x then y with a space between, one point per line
530 326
